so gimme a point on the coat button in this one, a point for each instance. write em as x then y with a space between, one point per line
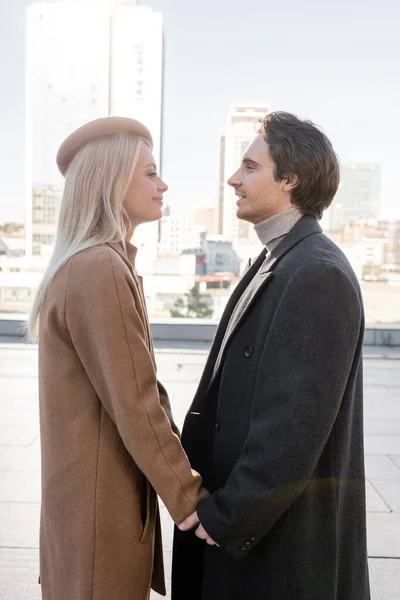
217 426
243 549
248 351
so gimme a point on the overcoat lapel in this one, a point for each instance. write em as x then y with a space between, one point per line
247 299
305 227
219 335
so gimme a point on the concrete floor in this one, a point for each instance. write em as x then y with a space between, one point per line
180 371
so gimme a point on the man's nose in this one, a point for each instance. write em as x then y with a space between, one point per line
234 180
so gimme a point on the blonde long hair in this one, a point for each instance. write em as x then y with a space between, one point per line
92 210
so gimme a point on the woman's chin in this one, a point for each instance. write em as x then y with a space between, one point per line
156 211
155 215
158 214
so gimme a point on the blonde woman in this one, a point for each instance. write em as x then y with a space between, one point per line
107 436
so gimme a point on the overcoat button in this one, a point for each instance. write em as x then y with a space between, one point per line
243 549
248 351
217 426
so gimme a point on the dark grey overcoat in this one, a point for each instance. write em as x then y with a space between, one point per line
277 433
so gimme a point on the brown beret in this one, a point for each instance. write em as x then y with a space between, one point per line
96 129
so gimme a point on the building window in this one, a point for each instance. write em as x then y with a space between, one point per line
17 294
39 238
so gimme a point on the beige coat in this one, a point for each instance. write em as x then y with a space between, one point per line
107 436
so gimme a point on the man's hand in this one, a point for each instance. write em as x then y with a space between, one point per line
201 533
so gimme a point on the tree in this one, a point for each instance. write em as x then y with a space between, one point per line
178 308
192 306
10 228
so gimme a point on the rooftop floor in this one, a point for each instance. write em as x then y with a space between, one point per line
180 371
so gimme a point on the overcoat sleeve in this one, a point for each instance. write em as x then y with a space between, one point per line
165 403
109 336
304 369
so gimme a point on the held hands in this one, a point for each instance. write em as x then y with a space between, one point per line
201 533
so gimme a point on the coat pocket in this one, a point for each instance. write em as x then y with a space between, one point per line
150 513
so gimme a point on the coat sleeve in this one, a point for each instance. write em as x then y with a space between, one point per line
109 337
305 365
165 403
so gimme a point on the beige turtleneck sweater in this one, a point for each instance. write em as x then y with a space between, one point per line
272 231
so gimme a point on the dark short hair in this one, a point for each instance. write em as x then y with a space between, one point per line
300 148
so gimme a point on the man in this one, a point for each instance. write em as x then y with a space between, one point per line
276 426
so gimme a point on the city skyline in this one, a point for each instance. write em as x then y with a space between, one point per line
335 67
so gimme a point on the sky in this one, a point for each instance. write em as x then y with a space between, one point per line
334 63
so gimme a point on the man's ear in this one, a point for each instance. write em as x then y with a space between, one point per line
291 182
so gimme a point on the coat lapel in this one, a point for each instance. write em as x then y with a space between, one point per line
305 227
244 304
129 260
219 335
247 277
248 297
128 257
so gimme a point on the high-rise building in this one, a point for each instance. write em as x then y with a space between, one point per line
206 218
358 197
83 62
46 200
241 128
67 84
177 234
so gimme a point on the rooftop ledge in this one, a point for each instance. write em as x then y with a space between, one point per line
198 331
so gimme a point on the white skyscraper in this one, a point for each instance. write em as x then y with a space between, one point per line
240 130
178 234
84 61
137 68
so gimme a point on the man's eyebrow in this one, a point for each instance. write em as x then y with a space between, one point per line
249 161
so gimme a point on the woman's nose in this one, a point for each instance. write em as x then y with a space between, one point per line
163 186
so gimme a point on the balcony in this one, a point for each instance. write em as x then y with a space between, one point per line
180 369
